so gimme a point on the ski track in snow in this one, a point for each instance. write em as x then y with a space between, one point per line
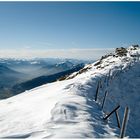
66 109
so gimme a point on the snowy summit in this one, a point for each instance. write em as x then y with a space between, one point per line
67 108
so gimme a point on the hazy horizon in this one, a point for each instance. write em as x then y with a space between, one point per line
82 54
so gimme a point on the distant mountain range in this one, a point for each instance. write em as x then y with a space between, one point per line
18 75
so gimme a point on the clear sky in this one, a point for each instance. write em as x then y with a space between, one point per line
43 26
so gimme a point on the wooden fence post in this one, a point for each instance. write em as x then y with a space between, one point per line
104 99
97 91
112 112
124 123
101 83
118 119
109 76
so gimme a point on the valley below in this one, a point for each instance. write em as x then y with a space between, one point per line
18 75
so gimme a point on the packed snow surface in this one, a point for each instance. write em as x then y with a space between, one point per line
67 109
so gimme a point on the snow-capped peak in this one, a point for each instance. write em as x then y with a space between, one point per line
67 108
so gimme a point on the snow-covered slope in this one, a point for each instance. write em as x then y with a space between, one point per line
67 109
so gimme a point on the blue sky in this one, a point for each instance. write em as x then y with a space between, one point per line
68 25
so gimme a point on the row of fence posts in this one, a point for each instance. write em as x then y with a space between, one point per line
126 112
